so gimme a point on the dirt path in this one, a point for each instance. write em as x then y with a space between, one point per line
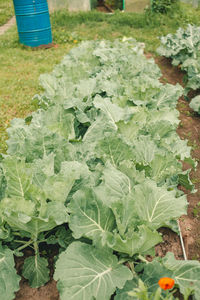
189 128
6 26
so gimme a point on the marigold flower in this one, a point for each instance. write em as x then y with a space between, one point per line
166 283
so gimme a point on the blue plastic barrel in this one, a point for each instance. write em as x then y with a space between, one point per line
33 22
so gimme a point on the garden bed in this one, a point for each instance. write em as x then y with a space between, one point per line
190 225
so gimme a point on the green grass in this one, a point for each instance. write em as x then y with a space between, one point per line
6 11
136 5
20 67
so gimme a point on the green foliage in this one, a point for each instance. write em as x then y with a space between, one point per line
100 158
35 269
115 4
69 29
161 6
86 272
9 280
185 273
141 292
195 104
183 48
196 210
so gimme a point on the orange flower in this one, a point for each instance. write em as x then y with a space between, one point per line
166 283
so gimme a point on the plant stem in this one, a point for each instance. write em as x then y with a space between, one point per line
143 259
19 241
25 245
36 247
131 264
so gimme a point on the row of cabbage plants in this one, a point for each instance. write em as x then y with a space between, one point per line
95 170
183 47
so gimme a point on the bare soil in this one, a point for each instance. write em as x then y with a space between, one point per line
103 9
6 26
189 128
47 292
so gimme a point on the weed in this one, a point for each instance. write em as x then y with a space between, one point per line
188 113
196 210
165 80
195 257
182 105
6 11
193 144
195 180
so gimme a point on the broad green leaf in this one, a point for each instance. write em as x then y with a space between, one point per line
84 272
5 231
9 280
85 88
159 130
51 215
156 205
89 217
58 186
19 205
35 269
116 192
26 207
18 176
17 133
142 89
195 104
130 129
35 141
128 168
114 150
113 112
115 184
129 286
141 242
185 181
59 120
152 272
185 273
47 81
144 150
61 236
44 165
166 114
176 146
97 131
167 96
163 167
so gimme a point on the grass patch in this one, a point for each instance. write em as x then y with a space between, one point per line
144 27
20 67
6 11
